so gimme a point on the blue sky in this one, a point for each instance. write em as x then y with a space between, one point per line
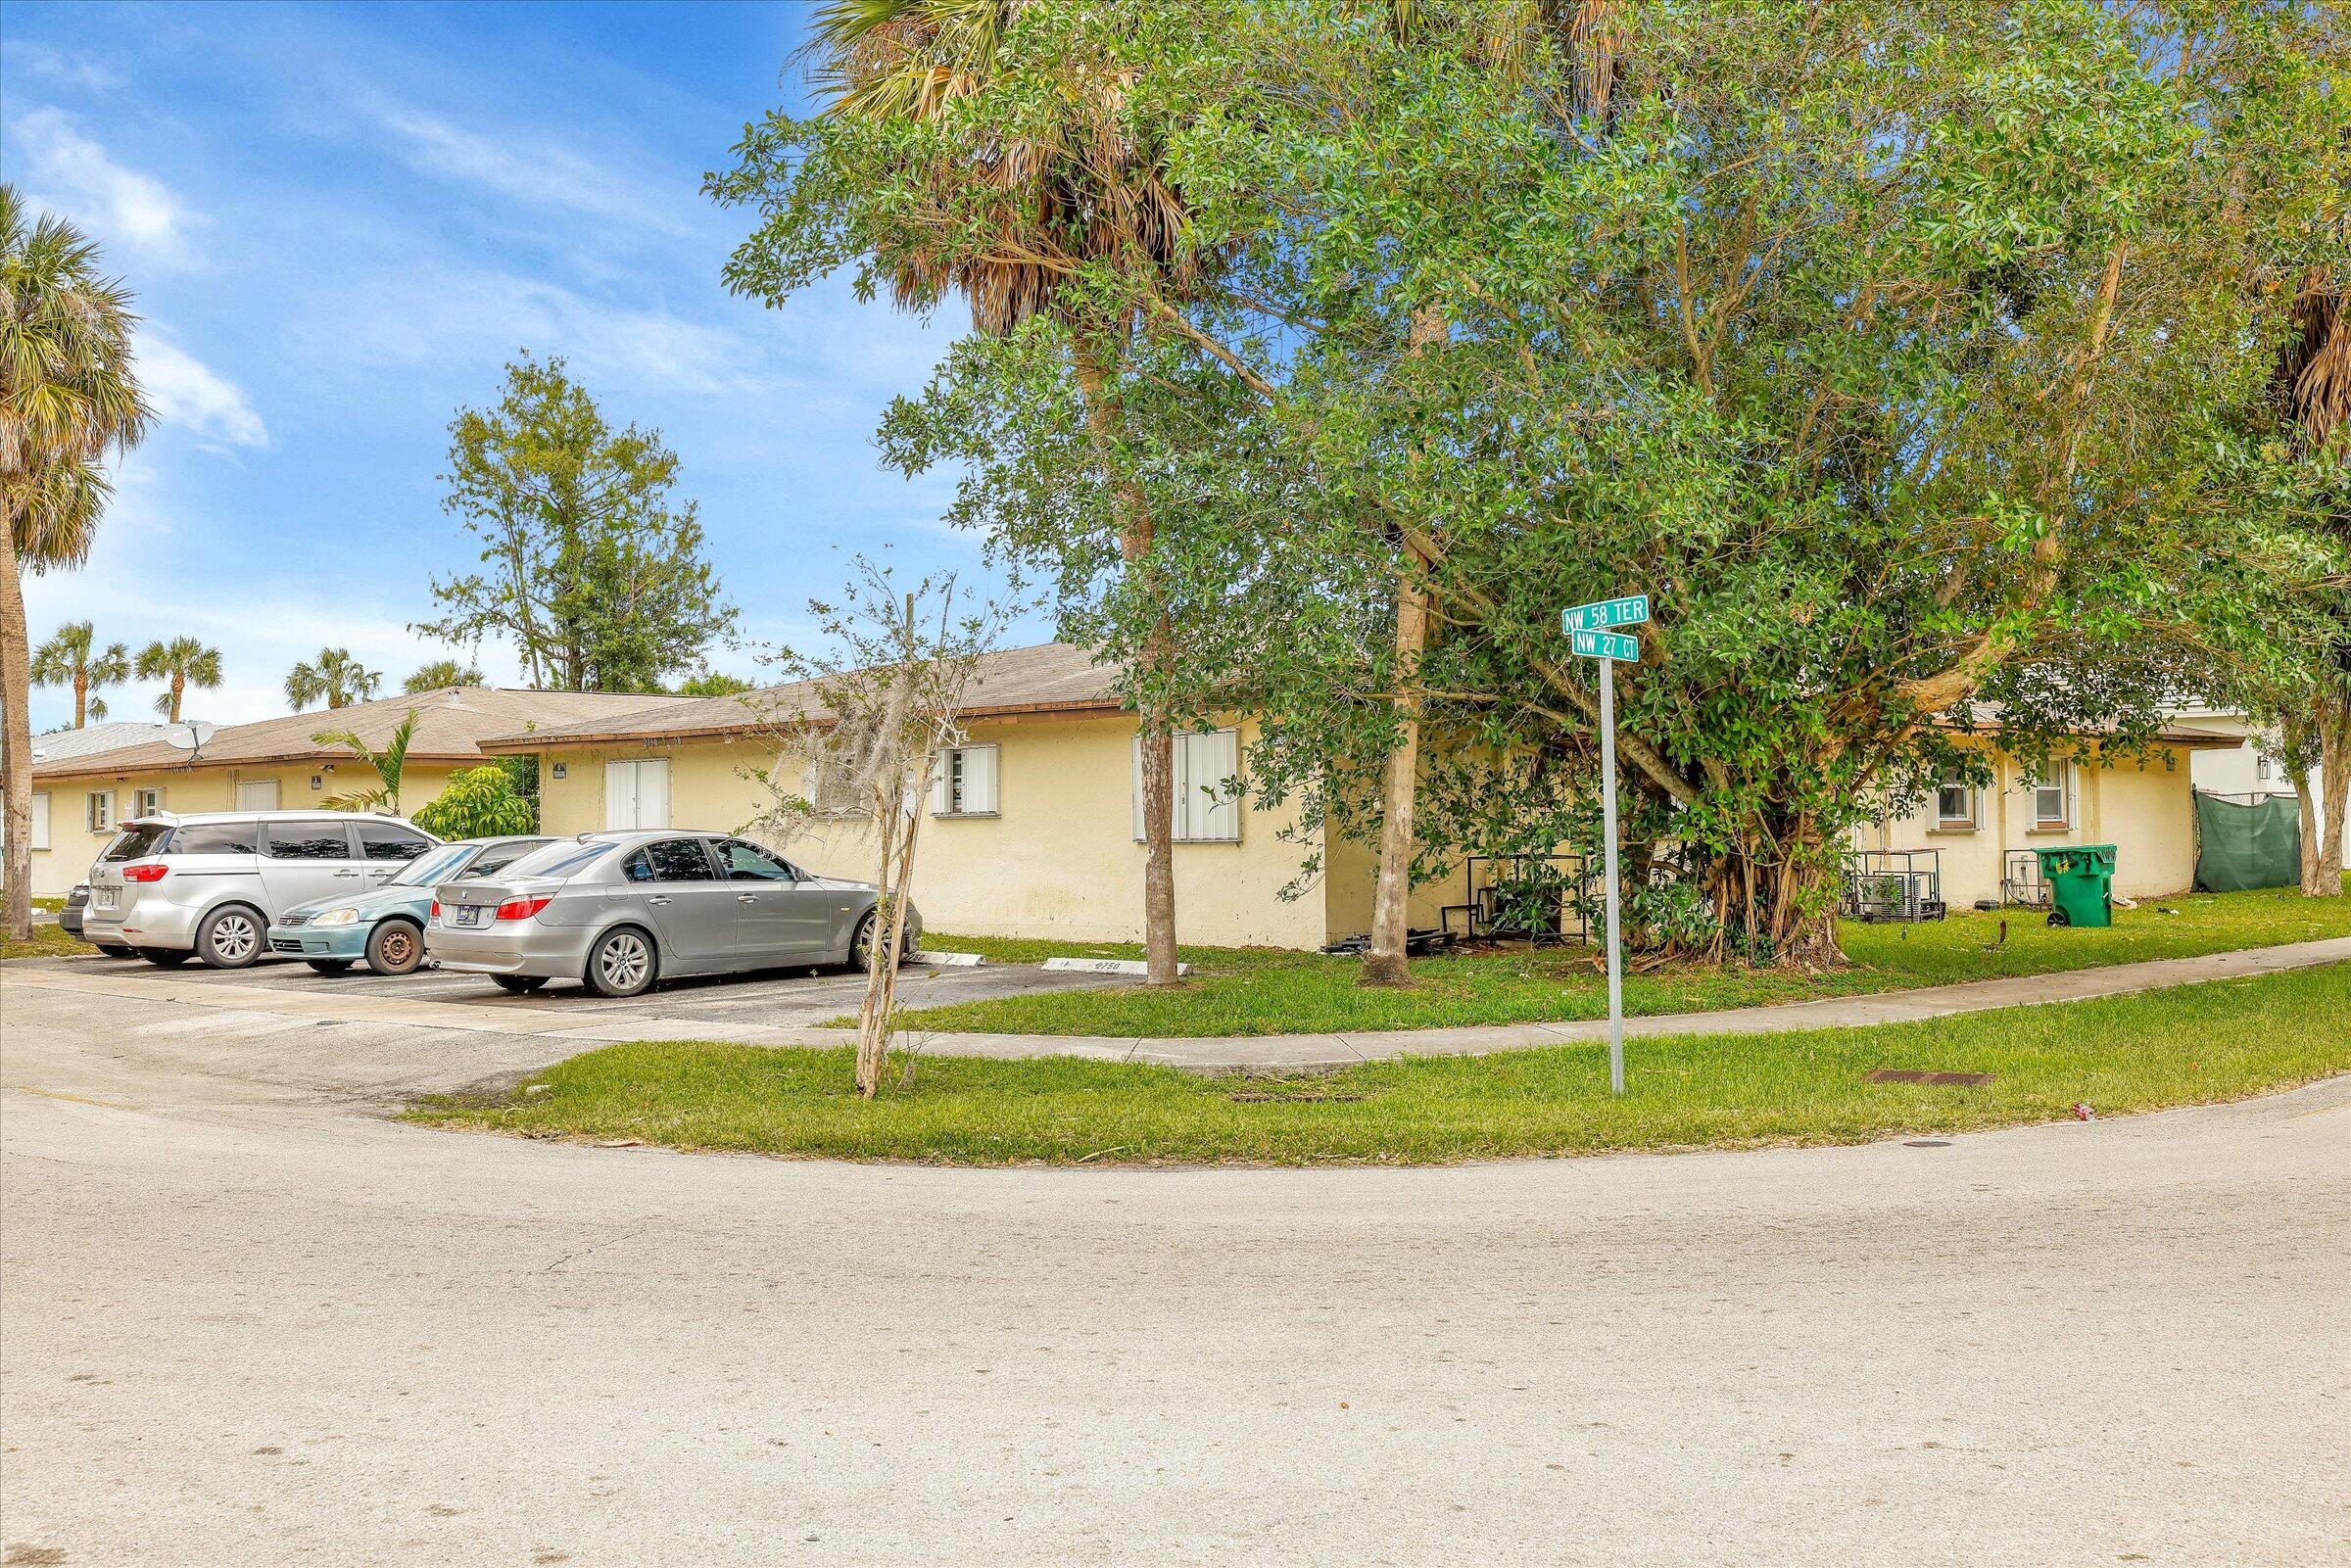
341 221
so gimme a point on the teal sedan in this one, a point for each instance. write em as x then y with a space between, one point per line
384 927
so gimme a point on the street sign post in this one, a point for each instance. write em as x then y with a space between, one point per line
1586 628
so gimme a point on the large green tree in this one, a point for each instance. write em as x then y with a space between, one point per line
1889 348
592 570
71 658
68 394
179 663
334 678
438 673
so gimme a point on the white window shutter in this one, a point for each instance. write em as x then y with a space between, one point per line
1139 791
652 793
943 784
980 780
41 819
620 795
1215 758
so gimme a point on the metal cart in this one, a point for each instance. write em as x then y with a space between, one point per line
1903 886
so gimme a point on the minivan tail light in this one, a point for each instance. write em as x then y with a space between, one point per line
523 908
149 872
436 914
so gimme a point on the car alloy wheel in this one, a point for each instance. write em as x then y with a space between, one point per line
232 938
622 964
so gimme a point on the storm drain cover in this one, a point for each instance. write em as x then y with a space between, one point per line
1913 1076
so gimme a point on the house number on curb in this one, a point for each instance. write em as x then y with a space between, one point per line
1587 628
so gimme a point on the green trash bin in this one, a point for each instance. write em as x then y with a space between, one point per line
2080 879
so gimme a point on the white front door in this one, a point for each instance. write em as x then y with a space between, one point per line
258 794
637 794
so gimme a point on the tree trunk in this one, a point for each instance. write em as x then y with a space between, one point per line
82 699
1157 734
1781 906
179 686
1387 963
15 743
2334 796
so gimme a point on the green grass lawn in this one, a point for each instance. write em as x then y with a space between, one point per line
49 940
2192 1044
1263 991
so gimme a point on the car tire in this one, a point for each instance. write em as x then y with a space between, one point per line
231 937
623 962
330 966
115 950
518 984
395 947
165 958
861 945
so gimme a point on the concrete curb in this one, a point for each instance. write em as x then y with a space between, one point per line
1268 1053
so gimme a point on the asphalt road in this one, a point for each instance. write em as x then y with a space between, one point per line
245 1320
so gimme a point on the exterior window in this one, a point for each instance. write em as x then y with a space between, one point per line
830 786
637 794
41 819
2053 796
258 796
99 811
966 785
1955 806
1205 813
149 802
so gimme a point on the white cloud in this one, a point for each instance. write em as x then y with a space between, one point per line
69 170
186 391
533 170
66 67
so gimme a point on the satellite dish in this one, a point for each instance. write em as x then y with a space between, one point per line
190 736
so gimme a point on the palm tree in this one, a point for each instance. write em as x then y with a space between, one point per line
1084 192
67 395
70 657
387 764
439 673
2314 382
183 662
337 677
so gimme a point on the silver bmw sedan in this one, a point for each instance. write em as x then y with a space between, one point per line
622 911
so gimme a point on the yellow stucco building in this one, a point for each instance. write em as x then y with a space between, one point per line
274 765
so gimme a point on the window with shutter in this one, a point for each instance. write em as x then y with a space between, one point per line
1205 813
41 819
966 782
2053 796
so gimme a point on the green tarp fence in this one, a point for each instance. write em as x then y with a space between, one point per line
2247 843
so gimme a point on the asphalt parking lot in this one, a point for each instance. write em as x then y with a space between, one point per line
796 996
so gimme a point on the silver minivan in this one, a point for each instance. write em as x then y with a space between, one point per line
208 884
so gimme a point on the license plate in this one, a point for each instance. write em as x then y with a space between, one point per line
468 914
102 897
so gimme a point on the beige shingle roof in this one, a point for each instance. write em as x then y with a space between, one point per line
1048 678
451 724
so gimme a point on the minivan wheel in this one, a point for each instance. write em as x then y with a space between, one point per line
230 937
622 963
395 947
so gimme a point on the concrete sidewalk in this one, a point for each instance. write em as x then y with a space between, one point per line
550 1018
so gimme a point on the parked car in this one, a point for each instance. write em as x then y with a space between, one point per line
69 919
385 928
208 884
622 911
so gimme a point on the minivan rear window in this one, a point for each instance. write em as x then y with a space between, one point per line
215 838
133 842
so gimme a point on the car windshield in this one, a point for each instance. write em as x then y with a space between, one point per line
433 865
563 858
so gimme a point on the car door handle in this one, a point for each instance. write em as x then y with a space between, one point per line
747 898
347 874
658 898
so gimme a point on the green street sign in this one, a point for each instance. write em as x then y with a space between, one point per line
1606 645
1631 610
